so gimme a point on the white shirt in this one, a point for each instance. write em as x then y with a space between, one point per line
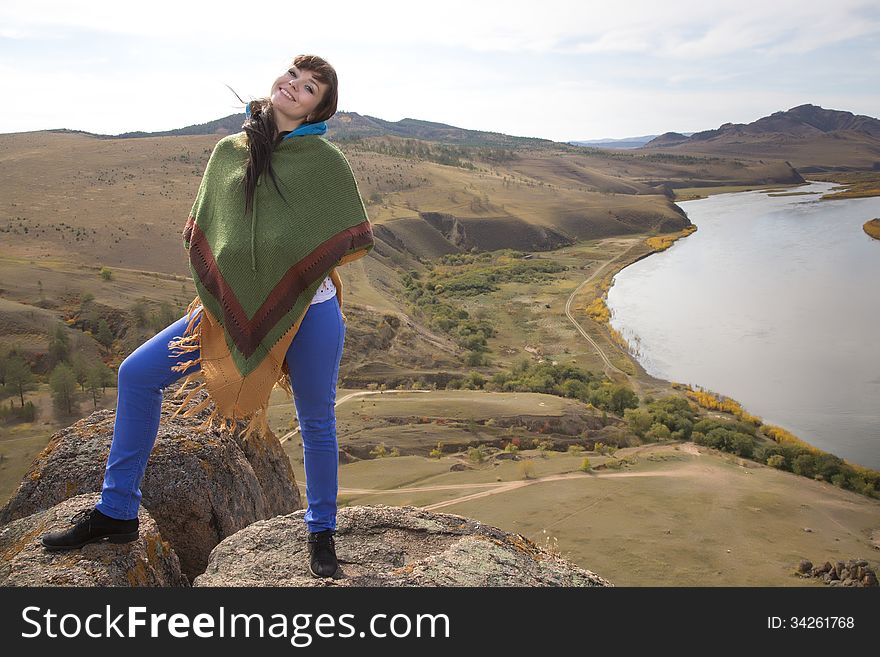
326 291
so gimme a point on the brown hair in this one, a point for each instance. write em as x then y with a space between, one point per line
262 131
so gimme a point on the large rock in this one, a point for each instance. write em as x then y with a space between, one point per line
199 488
149 561
380 545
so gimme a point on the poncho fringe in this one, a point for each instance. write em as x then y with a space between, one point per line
191 341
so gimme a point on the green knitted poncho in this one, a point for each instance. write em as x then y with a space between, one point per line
257 273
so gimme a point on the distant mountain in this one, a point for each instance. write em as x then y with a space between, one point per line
351 125
625 143
800 121
670 138
226 126
811 137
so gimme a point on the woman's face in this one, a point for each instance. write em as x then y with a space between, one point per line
294 96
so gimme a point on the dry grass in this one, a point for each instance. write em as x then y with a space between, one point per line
680 515
853 184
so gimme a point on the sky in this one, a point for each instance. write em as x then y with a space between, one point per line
560 70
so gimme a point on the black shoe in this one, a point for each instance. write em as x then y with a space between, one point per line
91 525
322 554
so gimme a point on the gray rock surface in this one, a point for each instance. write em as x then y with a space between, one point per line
149 561
199 488
379 545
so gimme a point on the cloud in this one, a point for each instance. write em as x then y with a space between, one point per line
560 69
683 28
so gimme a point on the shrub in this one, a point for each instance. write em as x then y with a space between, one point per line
658 432
639 420
526 469
477 454
585 465
26 413
804 465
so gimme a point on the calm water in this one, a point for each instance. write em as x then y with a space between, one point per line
774 302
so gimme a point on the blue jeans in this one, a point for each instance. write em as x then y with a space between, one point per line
313 361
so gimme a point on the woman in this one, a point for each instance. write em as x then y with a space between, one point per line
268 309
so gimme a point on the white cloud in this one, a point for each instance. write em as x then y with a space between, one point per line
562 70
683 28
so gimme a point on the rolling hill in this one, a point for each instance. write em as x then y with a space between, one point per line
812 138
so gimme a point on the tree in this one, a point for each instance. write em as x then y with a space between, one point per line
62 383
95 384
80 369
804 465
639 420
139 313
18 376
4 358
622 398
107 376
59 344
163 317
105 336
658 432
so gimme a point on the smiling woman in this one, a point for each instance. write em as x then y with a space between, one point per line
257 322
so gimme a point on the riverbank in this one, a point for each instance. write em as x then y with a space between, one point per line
696 193
727 408
851 184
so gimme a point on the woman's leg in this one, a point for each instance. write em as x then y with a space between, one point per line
313 362
142 377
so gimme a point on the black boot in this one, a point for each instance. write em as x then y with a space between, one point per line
90 525
322 554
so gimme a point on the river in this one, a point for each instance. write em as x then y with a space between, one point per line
773 301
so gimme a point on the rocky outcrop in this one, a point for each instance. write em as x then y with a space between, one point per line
379 545
149 561
855 572
219 510
198 488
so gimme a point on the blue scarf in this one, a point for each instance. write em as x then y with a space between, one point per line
318 128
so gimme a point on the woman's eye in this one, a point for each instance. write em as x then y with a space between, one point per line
293 75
